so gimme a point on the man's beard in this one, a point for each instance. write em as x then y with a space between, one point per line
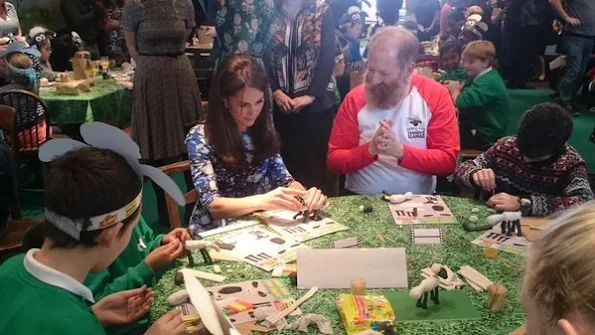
386 96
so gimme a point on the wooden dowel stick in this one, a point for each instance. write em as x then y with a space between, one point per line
273 319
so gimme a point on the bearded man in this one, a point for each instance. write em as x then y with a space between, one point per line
398 131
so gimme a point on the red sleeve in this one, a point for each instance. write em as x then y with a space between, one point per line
443 144
345 155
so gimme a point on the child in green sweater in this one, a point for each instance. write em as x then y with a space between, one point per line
141 263
483 104
92 205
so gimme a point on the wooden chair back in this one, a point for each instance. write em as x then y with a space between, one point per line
13 236
173 210
8 135
469 154
31 114
7 127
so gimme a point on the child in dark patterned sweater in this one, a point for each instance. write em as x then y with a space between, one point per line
537 165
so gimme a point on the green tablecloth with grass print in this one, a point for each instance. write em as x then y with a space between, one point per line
106 102
456 251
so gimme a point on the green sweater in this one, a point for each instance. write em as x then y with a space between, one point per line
457 75
30 306
128 271
485 104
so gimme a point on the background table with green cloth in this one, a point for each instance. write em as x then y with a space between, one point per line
456 251
106 102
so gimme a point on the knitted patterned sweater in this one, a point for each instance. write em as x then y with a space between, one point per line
551 186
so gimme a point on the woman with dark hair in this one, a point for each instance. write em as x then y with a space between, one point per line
300 63
235 162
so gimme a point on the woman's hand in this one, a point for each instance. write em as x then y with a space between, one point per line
315 200
209 31
283 101
281 198
302 102
124 307
169 324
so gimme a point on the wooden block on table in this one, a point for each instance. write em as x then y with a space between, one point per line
497 297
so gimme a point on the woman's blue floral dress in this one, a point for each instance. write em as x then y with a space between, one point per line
213 178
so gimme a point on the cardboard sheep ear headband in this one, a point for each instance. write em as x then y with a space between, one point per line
103 136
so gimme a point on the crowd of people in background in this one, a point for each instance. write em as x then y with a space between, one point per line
314 54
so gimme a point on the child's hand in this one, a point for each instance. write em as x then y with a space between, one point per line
169 324
163 256
454 86
180 234
124 307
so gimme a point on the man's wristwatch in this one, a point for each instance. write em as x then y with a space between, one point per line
526 206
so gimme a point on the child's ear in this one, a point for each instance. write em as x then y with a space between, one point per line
566 327
109 235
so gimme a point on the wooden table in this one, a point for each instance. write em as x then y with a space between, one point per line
106 102
456 251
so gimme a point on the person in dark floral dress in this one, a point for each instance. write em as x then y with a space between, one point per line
243 26
300 61
235 163
116 49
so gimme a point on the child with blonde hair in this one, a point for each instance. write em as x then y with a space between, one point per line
483 103
559 286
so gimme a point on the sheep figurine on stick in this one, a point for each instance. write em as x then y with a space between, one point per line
429 285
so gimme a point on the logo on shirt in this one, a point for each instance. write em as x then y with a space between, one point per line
141 245
415 128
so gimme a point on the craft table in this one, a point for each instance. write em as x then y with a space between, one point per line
106 102
456 251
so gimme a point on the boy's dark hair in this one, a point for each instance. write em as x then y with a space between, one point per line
389 10
85 183
544 130
449 47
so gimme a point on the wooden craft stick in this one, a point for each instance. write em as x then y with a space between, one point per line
471 271
476 279
231 227
474 285
273 319
206 276
223 256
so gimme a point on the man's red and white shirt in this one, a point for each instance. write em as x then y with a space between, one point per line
425 123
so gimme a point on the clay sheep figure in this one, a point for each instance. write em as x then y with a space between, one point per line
511 221
202 246
400 198
429 285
